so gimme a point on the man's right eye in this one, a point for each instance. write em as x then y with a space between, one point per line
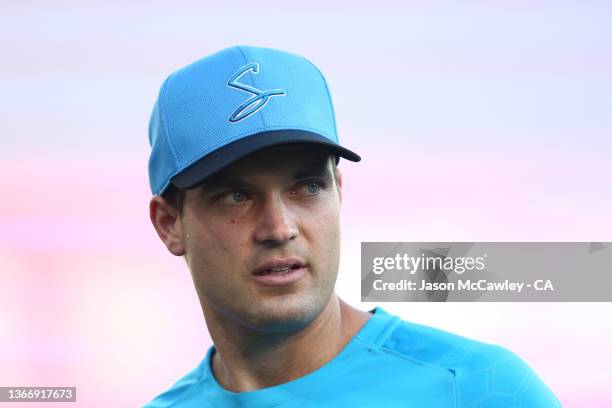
232 198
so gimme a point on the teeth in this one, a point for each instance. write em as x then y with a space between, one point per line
278 271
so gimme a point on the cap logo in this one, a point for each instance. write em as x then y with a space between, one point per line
255 102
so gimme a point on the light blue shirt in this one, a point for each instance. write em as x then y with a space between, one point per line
389 363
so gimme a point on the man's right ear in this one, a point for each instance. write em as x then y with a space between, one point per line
166 221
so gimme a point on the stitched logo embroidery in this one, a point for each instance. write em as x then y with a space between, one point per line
255 102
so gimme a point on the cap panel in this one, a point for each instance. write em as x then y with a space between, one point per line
198 102
329 98
162 163
306 103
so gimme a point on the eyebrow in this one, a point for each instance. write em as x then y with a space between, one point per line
317 168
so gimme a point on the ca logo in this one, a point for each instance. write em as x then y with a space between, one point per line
255 102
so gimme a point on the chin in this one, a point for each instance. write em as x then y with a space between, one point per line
283 314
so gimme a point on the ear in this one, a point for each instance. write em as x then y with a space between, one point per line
167 223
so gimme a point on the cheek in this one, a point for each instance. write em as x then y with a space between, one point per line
322 231
212 246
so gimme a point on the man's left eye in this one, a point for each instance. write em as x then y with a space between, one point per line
312 187
238 196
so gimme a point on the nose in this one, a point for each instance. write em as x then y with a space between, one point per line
276 224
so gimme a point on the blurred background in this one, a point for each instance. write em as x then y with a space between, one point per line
476 121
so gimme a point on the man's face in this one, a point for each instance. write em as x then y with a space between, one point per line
262 237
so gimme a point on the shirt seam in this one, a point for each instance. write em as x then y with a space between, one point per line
449 372
385 349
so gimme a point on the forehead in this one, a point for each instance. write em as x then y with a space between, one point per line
281 161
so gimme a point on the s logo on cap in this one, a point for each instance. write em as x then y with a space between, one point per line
254 103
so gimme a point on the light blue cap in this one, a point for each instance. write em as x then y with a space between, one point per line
232 103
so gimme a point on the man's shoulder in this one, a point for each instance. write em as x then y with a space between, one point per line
180 393
482 372
442 349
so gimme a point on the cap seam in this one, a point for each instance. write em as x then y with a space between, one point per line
251 79
162 115
200 155
165 186
331 104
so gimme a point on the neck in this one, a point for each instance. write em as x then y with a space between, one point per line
247 361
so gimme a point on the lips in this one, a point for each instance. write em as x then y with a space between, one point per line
279 266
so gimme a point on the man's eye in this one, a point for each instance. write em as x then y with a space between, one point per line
312 187
233 197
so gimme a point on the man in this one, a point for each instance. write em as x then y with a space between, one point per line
246 187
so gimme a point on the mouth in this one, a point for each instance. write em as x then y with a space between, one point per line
277 271
280 272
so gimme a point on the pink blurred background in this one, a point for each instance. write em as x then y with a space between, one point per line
476 122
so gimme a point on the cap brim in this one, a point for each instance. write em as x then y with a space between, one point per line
215 161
